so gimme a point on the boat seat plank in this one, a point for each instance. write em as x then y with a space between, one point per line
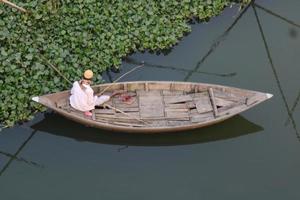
104 115
129 109
176 114
168 109
128 114
151 106
176 106
228 96
199 94
125 106
203 104
150 119
148 112
233 110
104 111
148 101
191 105
172 93
202 117
148 93
194 111
225 108
180 116
222 102
177 99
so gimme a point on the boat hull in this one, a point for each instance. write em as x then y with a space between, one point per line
159 106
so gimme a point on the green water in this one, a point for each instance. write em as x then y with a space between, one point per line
255 155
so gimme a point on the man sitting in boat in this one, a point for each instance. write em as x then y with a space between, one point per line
82 95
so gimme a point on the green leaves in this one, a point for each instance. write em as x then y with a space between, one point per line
3 52
80 34
29 57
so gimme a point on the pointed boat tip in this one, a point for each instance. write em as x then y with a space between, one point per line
36 99
269 95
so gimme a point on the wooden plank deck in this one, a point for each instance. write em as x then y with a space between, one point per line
151 106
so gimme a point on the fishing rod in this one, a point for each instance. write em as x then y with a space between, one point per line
13 5
106 105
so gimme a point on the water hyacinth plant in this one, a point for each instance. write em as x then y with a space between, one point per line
78 34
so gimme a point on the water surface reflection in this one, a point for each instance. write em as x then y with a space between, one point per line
234 127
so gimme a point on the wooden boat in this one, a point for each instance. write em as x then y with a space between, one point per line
157 106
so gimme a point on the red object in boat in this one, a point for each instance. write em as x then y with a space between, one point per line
125 97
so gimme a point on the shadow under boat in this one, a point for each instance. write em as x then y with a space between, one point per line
231 128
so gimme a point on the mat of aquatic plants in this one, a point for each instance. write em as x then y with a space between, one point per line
80 34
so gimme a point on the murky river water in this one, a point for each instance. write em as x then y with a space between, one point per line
255 155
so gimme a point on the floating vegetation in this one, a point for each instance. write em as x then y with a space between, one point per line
80 34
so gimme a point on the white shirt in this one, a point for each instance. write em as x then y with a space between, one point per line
82 99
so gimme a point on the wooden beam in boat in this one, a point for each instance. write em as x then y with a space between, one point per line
146 87
203 104
125 87
104 111
118 110
213 102
172 93
176 106
177 99
93 115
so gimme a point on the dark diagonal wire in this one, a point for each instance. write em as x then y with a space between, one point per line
147 64
217 42
275 72
16 154
277 15
20 159
294 24
287 121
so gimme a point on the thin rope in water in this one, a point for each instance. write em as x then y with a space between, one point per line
276 15
275 72
218 41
